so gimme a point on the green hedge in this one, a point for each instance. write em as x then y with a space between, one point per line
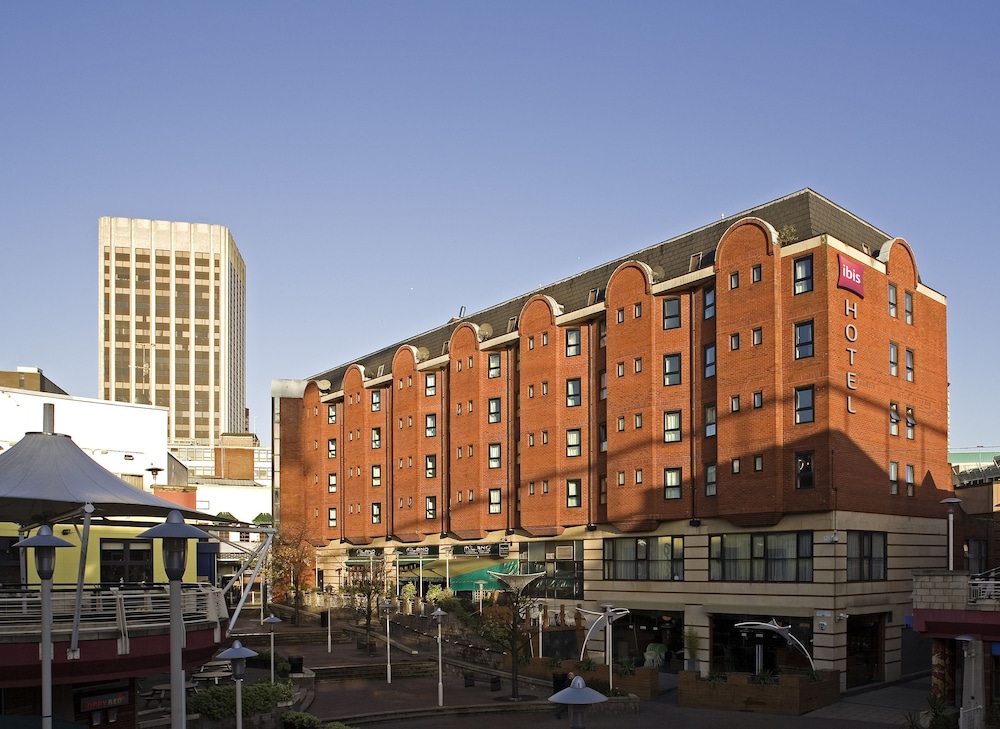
219 702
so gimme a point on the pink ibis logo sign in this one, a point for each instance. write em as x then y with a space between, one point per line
851 275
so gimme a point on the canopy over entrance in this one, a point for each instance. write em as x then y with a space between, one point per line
461 572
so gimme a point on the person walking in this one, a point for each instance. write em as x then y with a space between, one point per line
561 708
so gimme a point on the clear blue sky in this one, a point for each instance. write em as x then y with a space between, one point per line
382 164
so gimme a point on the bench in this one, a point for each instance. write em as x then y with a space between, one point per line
470 681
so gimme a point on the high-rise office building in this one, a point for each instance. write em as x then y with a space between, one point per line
172 318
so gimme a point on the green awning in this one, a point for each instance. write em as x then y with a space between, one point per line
462 572
225 515
263 518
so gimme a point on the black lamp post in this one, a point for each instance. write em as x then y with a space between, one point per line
237 656
45 545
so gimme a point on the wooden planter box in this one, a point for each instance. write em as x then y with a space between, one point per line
645 683
793 695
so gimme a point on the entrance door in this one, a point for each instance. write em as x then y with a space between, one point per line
864 650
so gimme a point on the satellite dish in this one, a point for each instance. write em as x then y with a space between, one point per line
323 385
422 354
485 331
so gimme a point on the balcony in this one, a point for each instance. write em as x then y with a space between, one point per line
950 603
123 632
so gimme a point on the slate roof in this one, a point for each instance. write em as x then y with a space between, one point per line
808 212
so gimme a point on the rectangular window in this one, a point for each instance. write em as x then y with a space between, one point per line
531 488
911 423
758 337
644 558
376 475
331 516
573 393
621 369
709 303
734 280
545 339
430 383
331 448
710 479
893 477
671 483
331 414
804 470
909 365
531 391
430 425
671 313
761 557
494 410
637 310
458 367
734 403
621 315
331 483
804 405
758 462
866 556
893 419
710 418
531 343
376 437
638 476
124 561
376 513
572 342
804 339
908 307
672 426
573 447
573 494
637 365
430 507
604 384
494 365
909 479
758 399
621 478
734 341
430 466
976 555
602 437
376 400
803 275
893 359
710 361
756 273
892 299
545 437
494 496
638 421
671 369
621 423
458 408
494 460
545 388
602 332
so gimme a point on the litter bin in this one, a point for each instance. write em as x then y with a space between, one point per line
324 619
560 680
296 664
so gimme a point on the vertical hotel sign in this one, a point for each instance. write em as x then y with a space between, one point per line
851 278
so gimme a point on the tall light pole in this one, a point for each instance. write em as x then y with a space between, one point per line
951 501
387 609
540 606
481 584
45 544
271 621
438 614
175 532
237 656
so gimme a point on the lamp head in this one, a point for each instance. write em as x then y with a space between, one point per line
45 544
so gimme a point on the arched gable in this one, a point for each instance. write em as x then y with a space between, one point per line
539 311
629 276
746 238
900 263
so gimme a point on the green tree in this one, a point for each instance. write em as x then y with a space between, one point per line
291 556
368 584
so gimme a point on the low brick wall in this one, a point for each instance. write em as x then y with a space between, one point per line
793 695
645 683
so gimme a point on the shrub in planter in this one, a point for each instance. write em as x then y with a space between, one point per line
219 702
300 720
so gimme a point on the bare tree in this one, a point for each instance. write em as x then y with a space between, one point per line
291 555
518 605
368 584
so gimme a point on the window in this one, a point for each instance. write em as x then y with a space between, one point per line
430 425
331 448
866 557
494 410
545 388
638 421
672 426
976 553
430 383
602 437
734 280
545 487
758 399
637 365
494 461
892 299
804 470
545 339
804 339
803 273
758 462
710 479
494 365
638 476
573 497
671 313
637 309
531 488
430 466
621 315
602 332
671 369
893 419
709 303
893 477
458 408
736 465
644 558
494 496
604 385
671 483
758 337
909 479
458 367
125 560
911 423
331 516
804 410
430 507
621 369
621 478
893 359
376 437
545 437
573 393
376 475
573 447
761 557
734 341
531 391
734 403
470 363
531 443
331 483
572 342
331 414
710 361
376 513
376 400
710 417
755 273
531 342
909 365
908 307
621 423
470 406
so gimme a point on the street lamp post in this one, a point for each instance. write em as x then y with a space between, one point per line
578 696
540 606
175 533
45 544
951 501
237 656
438 614
387 609
481 584
271 621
